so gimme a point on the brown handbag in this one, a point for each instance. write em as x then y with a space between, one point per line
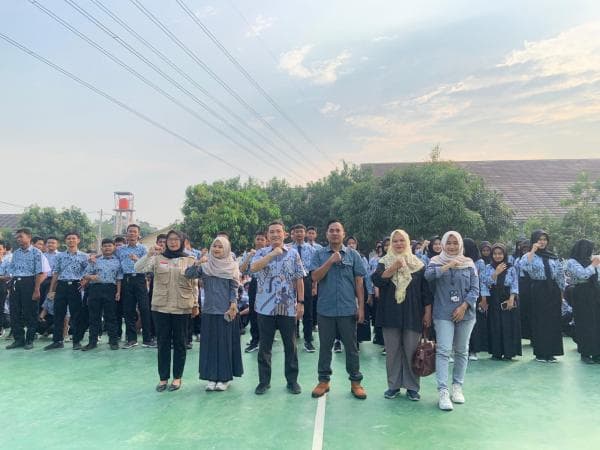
423 362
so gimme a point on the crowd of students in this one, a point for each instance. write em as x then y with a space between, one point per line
470 298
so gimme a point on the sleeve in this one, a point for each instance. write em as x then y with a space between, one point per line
193 271
433 272
144 264
559 275
473 292
368 278
3 269
144 250
378 280
233 290
257 257
315 261
525 265
90 269
120 271
514 281
577 271
299 271
38 265
358 266
58 264
485 280
427 295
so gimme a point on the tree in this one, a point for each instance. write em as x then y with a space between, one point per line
241 209
50 222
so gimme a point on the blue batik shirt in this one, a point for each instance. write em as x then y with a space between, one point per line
51 257
71 266
107 268
368 280
535 269
276 282
511 279
123 252
26 263
579 274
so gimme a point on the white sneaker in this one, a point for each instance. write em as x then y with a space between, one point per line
473 357
445 404
211 386
457 394
222 386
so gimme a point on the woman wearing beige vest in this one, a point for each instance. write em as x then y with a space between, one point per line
174 298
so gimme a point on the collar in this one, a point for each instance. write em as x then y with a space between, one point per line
27 249
344 249
284 248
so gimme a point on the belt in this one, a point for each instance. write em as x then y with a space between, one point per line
69 282
133 275
100 283
28 277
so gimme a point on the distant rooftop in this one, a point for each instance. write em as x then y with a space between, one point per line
10 221
529 187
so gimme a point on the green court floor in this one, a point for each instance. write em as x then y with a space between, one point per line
106 400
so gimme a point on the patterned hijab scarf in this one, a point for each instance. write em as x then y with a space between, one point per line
402 277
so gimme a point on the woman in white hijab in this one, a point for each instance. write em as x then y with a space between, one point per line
455 284
404 309
220 348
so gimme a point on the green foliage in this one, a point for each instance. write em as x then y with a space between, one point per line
240 209
49 221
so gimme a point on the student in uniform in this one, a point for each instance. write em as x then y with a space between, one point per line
546 286
26 271
65 291
499 291
479 341
583 273
175 298
134 292
363 330
3 284
102 279
453 279
220 348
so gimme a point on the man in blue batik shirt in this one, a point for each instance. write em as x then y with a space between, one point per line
27 274
64 290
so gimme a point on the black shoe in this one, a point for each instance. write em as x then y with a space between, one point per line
294 388
77 346
309 347
149 344
114 346
413 395
174 387
337 347
161 387
596 359
496 358
15 344
262 388
89 347
252 347
54 345
587 359
28 346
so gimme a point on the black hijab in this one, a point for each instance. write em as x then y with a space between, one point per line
582 252
430 251
470 249
486 259
179 253
545 254
518 250
500 278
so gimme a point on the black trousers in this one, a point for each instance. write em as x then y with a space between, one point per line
254 332
287 327
67 294
134 293
101 301
307 319
346 328
23 309
44 288
171 329
3 294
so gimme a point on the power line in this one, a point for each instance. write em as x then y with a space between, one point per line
149 83
249 77
182 73
13 204
210 72
119 103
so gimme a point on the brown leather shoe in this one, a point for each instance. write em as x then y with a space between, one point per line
357 390
320 389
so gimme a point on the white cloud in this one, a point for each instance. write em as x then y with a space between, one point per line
319 72
205 11
378 39
261 23
329 109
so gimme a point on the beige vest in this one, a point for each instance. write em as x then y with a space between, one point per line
172 292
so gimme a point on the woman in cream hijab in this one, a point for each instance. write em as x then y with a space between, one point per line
404 309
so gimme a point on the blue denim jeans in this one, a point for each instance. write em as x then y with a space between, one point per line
452 336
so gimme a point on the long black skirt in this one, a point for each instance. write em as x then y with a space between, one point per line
479 340
586 311
525 306
546 334
504 326
220 349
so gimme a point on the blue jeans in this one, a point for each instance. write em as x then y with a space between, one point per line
452 336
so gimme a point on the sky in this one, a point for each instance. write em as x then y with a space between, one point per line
286 89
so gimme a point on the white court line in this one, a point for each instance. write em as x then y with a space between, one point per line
319 424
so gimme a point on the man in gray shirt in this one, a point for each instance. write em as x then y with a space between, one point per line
339 271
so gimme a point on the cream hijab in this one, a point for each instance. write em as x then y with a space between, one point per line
402 277
223 267
444 258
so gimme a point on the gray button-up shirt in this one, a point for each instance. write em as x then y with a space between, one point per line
337 289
